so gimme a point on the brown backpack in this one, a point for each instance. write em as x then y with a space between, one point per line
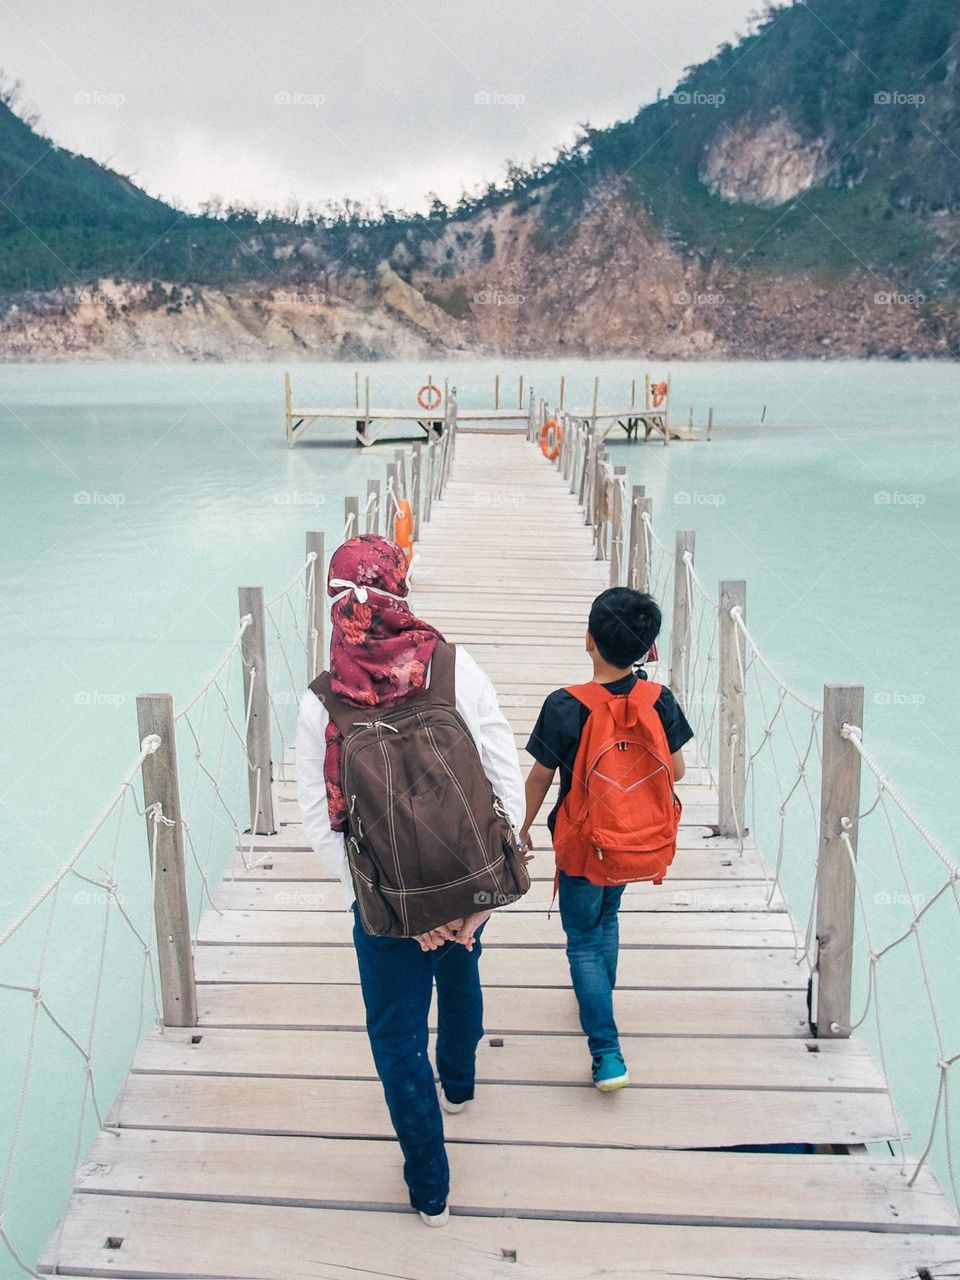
428 841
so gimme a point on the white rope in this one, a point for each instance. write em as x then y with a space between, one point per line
736 613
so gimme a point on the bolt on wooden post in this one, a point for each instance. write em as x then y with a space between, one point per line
165 843
256 703
316 605
732 749
680 628
836 872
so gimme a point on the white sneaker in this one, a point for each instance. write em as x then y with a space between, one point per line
436 1219
451 1108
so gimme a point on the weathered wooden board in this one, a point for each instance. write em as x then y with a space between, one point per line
718 1062
671 896
512 1113
164 1237
698 1013
528 928
633 1186
690 968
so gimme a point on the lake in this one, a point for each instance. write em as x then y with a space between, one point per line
136 498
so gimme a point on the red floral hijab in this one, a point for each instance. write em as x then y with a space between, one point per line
379 650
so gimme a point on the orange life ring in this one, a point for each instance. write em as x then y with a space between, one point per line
551 434
429 396
660 390
403 528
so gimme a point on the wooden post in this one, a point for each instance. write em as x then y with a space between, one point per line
389 510
496 392
401 460
288 408
596 399
633 392
416 471
644 575
371 523
532 424
589 442
732 752
616 530
256 697
351 507
520 393
165 844
316 607
646 391
680 627
836 875
709 422
563 387
429 463
636 538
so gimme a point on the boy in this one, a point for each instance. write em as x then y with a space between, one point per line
623 625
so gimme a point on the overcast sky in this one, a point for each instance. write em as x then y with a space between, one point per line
262 101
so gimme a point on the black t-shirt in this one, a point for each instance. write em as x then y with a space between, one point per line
556 735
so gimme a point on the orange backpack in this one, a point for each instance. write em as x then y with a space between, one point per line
618 822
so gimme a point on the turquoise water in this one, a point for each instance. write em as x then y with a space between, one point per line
136 498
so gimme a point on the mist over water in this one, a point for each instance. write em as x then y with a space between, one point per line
135 499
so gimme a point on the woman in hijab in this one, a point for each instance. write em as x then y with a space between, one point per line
380 654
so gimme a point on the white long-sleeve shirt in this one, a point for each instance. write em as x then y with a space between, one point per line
477 703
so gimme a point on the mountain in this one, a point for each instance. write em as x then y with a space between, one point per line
797 194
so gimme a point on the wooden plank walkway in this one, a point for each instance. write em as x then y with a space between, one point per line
258 1144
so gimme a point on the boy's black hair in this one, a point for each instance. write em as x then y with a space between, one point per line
624 624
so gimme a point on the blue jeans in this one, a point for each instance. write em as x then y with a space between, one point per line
589 915
397 979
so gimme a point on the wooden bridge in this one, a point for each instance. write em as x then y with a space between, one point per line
256 1143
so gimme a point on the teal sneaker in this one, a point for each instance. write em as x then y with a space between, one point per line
610 1072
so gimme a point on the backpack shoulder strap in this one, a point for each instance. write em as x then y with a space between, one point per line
592 695
441 691
342 715
646 692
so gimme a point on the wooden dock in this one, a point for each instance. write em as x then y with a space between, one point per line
257 1143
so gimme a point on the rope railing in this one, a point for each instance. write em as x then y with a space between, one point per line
111 908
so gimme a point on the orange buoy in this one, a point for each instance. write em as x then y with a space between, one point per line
551 434
660 390
403 528
429 396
